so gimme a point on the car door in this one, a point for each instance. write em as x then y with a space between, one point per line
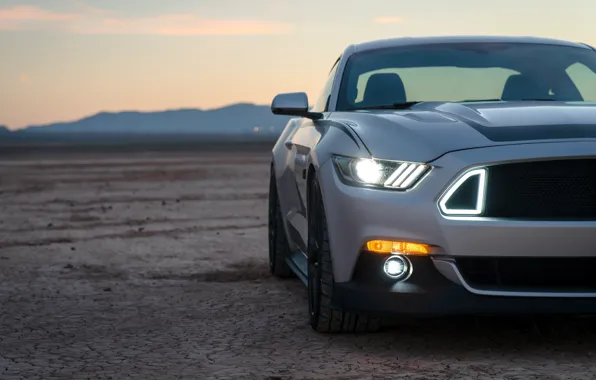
303 141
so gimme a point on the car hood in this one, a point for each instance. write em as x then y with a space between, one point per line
429 130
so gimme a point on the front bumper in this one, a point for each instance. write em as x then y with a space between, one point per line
429 293
356 215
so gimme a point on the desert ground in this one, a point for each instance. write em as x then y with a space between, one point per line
154 266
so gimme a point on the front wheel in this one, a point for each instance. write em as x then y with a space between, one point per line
324 317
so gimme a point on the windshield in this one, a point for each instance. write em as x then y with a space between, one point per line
461 72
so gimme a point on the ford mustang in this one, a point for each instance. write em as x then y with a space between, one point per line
440 176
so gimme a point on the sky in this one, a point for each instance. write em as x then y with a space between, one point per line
61 60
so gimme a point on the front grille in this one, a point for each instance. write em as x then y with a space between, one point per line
529 273
542 190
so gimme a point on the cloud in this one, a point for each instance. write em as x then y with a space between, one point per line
180 25
23 16
98 21
388 20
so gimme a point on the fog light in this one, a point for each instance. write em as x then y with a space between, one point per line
397 267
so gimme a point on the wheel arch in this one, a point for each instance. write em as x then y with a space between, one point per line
337 138
312 174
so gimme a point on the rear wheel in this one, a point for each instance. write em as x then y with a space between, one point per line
324 317
279 250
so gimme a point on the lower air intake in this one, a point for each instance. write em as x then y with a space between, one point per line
530 273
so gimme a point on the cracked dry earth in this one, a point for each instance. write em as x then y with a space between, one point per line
153 266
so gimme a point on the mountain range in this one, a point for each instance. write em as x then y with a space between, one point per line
233 121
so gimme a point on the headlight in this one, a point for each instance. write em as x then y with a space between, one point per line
467 195
398 175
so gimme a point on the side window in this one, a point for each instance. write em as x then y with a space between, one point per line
584 79
323 101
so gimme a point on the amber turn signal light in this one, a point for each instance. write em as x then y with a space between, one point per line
398 247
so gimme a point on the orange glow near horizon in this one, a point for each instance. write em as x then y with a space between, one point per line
64 60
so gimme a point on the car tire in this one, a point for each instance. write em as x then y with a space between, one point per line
324 316
279 250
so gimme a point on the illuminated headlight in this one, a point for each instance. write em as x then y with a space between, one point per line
398 175
467 195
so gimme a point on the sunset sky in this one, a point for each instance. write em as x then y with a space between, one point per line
65 59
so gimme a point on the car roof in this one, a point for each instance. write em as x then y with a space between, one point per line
411 41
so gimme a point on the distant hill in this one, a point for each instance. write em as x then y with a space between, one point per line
237 121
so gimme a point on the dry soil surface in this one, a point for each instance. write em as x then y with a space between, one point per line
154 266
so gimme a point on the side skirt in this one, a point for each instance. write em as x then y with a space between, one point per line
298 263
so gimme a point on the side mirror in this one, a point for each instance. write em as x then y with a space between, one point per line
293 104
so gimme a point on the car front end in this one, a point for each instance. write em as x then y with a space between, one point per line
501 229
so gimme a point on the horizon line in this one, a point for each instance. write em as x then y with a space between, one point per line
135 111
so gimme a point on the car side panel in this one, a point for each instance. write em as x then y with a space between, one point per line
302 144
303 140
284 165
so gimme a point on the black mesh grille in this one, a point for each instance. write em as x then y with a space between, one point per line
525 273
543 190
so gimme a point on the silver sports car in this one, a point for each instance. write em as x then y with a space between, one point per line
437 176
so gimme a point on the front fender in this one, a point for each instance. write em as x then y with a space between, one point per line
337 138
